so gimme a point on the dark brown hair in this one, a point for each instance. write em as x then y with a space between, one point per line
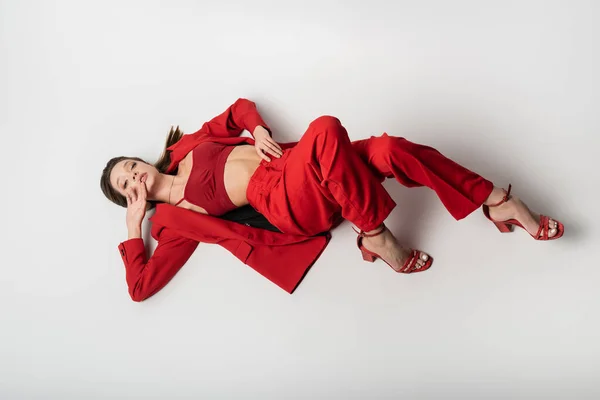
161 165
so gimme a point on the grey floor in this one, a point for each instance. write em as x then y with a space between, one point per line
508 89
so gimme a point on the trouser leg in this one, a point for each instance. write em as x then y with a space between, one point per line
460 190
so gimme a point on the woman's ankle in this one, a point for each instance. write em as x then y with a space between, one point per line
379 229
495 196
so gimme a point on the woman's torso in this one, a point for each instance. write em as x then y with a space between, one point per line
240 164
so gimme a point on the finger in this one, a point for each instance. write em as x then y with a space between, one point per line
143 191
274 143
262 155
274 150
128 199
271 149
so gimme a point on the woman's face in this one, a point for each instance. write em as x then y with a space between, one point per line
127 174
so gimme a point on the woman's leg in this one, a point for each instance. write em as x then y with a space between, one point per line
320 177
460 190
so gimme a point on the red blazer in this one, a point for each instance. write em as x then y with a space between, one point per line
284 259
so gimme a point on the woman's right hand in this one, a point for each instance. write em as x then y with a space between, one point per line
136 205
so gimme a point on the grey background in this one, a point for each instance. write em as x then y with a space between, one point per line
509 89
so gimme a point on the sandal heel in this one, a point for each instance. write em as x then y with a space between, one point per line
503 227
368 257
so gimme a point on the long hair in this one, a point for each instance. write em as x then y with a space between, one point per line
161 165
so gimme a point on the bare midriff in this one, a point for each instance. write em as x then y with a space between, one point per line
239 168
241 164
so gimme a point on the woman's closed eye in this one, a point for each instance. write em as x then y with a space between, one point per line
133 164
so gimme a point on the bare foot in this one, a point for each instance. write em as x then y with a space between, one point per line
388 249
515 208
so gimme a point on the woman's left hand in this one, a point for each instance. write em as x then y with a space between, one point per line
264 143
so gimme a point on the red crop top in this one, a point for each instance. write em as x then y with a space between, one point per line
206 185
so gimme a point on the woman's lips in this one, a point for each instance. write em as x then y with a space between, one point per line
143 177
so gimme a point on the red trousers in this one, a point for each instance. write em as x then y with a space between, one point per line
325 175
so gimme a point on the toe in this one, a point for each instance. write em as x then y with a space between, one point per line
421 261
418 265
552 228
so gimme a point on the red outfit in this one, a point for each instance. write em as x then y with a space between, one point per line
306 190
319 178
206 185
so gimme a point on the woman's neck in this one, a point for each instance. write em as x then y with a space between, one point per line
163 184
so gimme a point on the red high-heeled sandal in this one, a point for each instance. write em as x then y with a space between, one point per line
507 226
409 266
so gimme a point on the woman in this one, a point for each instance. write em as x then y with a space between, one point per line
272 205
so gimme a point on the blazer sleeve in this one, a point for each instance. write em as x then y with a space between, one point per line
239 116
145 276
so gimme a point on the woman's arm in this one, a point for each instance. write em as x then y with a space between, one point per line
145 276
239 116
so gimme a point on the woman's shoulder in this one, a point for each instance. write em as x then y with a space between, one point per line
186 162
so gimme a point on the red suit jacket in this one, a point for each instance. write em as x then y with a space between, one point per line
282 258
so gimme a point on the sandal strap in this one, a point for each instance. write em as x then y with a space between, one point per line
362 233
411 262
504 199
543 228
